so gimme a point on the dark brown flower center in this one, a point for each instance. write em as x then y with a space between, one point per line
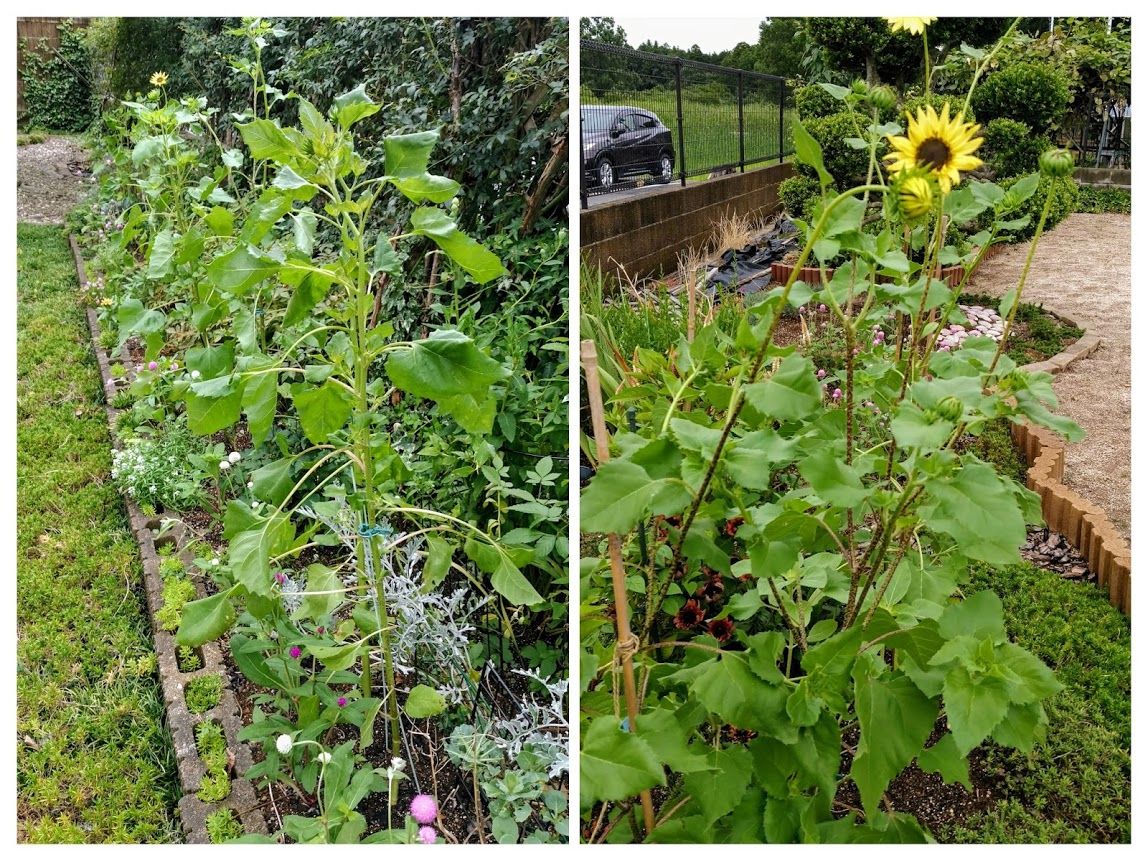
933 154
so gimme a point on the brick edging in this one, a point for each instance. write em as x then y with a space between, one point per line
1083 523
242 800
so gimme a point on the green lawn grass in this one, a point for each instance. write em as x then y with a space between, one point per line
710 130
94 760
1076 786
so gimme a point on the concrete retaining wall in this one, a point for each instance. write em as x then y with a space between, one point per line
644 235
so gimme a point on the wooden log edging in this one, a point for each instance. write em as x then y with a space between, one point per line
173 681
1083 523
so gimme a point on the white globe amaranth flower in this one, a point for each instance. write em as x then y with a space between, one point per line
225 464
324 757
398 763
195 375
284 743
235 457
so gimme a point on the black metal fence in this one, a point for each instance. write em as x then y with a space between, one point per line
649 118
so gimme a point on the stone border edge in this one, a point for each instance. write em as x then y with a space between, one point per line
242 799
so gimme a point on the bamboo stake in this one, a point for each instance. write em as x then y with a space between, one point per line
627 643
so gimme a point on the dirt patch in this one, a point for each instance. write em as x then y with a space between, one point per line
1083 269
50 180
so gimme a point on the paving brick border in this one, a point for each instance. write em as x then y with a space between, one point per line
147 530
1084 524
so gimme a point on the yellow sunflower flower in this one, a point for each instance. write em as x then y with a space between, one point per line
942 145
916 26
158 79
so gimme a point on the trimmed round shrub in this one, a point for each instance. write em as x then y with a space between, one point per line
799 194
911 105
1031 93
812 102
1065 195
846 165
1010 148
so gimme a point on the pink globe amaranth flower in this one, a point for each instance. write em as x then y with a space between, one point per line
822 308
427 835
342 701
296 651
424 809
320 630
837 394
151 366
821 373
280 577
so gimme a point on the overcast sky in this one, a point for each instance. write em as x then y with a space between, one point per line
709 34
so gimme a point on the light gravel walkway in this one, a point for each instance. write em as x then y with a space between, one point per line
1083 269
50 180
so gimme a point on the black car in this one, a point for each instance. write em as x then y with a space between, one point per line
620 140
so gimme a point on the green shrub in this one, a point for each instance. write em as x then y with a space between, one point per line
845 164
956 103
203 693
1010 148
223 825
1064 196
799 194
1031 93
1092 198
813 102
57 85
143 46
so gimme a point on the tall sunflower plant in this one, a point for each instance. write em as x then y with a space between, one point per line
797 540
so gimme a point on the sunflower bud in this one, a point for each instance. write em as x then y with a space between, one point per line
883 98
1056 163
950 408
914 196
860 87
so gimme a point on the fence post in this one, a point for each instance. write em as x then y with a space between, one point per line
740 122
781 125
681 126
583 197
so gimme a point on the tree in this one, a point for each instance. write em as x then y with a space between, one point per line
602 30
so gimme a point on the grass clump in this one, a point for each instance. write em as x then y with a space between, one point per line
224 825
1076 786
212 747
94 763
203 693
177 591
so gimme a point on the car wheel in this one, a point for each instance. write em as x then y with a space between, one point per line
665 169
605 171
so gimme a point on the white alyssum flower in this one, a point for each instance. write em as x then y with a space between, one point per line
235 457
283 744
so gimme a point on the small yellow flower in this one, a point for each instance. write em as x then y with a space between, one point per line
942 145
915 196
916 26
159 79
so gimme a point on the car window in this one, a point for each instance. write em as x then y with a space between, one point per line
629 122
645 121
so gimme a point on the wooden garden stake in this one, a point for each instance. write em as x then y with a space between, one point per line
627 643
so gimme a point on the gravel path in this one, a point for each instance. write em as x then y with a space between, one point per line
1095 392
50 180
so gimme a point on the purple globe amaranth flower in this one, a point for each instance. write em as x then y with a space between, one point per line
280 577
342 701
427 835
424 809
821 373
296 651
151 366
837 394
822 308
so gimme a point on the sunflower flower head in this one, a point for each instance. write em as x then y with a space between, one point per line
938 143
915 26
158 79
915 193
